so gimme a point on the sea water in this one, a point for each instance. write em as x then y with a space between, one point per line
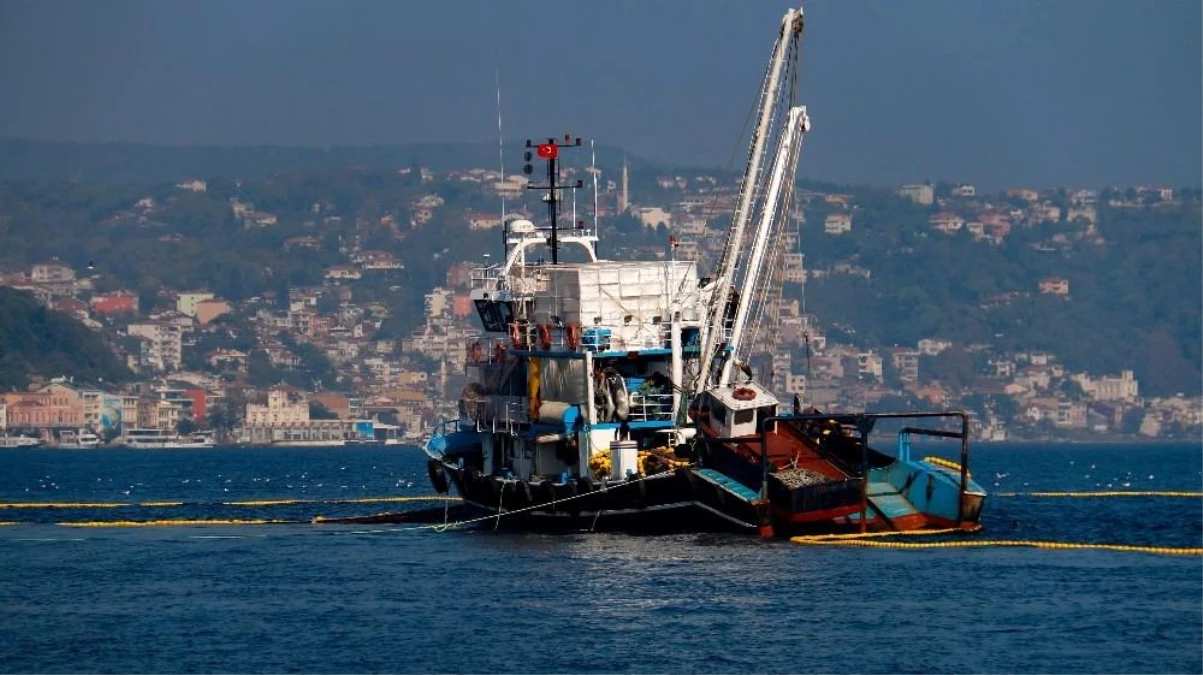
320 598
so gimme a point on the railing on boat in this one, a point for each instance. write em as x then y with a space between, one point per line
575 339
650 407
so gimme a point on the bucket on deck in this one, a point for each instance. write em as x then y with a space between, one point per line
624 459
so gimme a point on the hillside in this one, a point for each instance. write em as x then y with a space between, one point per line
35 340
116 163
1134 276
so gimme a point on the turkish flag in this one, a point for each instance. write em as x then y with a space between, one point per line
548 150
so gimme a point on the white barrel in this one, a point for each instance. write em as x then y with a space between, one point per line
624 458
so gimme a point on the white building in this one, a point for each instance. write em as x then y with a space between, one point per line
193 185
439 302
947 223
933 346
652 216
279 411
920 194
162 345
186 302
793 268
51 271
1111 388
837 223
869 364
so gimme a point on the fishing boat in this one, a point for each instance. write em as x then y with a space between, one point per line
616 394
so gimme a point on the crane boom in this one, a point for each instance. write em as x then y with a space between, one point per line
712 330
785 167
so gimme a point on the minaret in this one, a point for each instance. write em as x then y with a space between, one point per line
624 199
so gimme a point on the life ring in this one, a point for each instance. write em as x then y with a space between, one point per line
743 394
572 336
545 336
515 335
438 479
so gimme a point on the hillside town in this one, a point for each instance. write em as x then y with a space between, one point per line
313 367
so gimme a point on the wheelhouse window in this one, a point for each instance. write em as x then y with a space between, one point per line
495 316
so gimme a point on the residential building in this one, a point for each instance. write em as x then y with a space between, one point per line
186 302
343 273
208 310
947 223
161 345
920 194
1055 286
1025 194
193 185
869 364
793 268
933 346
837 223
906 363
120 302
52 271
483 221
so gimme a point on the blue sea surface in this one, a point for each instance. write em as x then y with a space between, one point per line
325 598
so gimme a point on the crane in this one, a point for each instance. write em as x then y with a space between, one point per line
713 329
785 168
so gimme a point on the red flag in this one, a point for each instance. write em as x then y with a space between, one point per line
548 150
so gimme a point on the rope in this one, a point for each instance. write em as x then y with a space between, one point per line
817 538
261 502
865 541
533 507
173 523
1056 545
946 463
500 499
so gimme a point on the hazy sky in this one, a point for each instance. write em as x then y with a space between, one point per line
998 93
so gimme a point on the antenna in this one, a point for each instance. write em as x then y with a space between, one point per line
501 158
593 160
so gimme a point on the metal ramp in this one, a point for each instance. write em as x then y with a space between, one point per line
729 484
887 501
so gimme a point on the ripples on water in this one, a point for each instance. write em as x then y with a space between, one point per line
302 598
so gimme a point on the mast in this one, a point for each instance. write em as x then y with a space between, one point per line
712 331
784 169
550 151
